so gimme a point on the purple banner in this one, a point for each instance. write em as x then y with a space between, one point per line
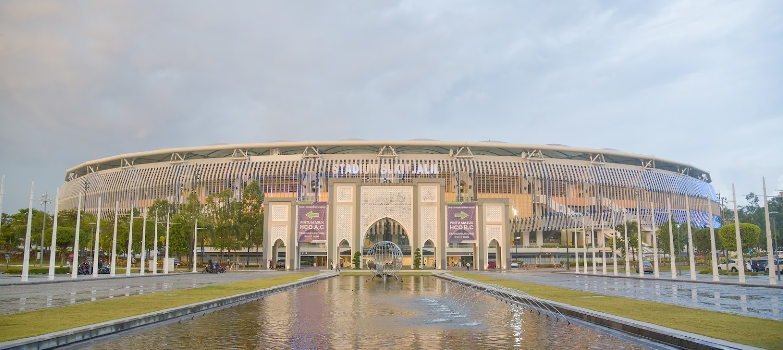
311 222
461 222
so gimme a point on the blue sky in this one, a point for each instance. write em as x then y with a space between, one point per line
693 81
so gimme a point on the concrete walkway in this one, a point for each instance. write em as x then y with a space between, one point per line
754 300
39 293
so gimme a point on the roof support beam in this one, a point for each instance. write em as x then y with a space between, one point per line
177 158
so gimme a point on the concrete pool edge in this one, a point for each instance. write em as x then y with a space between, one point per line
91 332
641 329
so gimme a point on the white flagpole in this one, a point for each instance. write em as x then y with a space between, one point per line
129 253
26 261
52 254
143 260
114 240
671 239
75 263
97 235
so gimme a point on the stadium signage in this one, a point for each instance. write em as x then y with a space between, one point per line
384 169
461 222
311 222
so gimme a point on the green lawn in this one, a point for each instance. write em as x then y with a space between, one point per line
740 329
38 322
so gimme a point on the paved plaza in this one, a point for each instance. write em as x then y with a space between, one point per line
40 293
747 300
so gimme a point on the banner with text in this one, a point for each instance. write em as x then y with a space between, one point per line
311 222
461 222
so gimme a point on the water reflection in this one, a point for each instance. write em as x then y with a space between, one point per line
353 312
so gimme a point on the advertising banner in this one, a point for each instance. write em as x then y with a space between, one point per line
461 222
311 222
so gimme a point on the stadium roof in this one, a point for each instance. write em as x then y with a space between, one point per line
359 146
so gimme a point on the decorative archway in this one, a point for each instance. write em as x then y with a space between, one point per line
429 254
274 257
497 258
388 229
344 254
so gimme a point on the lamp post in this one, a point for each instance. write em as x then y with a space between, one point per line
44 200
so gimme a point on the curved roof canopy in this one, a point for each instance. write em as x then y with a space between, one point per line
357 146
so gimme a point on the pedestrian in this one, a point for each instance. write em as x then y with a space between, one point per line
467 266
68 266
331 265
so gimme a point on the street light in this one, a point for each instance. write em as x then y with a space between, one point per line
44 200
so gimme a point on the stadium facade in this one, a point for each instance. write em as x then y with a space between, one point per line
480 202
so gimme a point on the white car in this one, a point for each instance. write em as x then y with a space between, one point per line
732 266
779 265
514 265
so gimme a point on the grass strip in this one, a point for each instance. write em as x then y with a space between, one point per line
747 330
38 322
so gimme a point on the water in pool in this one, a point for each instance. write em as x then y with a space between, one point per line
353 312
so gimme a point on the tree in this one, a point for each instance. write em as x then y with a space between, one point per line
252 217
357 259
701 240
417 259
633 238
680 238
749 236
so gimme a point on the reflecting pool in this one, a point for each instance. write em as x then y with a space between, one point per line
353 312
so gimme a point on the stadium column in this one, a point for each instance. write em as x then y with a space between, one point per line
343 220
279 229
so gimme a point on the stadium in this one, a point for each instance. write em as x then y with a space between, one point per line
486 203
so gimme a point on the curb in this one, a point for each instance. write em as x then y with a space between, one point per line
754 285
91 332
641 329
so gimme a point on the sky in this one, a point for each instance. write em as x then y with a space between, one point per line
697 82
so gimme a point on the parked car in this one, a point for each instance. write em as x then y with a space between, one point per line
777 263
647 266
758 265
514 265
492 265
732 266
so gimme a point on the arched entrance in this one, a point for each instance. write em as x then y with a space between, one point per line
494 255
344 253
428 255
279 260
387 229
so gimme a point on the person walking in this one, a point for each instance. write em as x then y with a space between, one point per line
467 266
68 266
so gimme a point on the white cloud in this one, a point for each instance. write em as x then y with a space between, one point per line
679 80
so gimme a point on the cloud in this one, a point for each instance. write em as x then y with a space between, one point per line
695 82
